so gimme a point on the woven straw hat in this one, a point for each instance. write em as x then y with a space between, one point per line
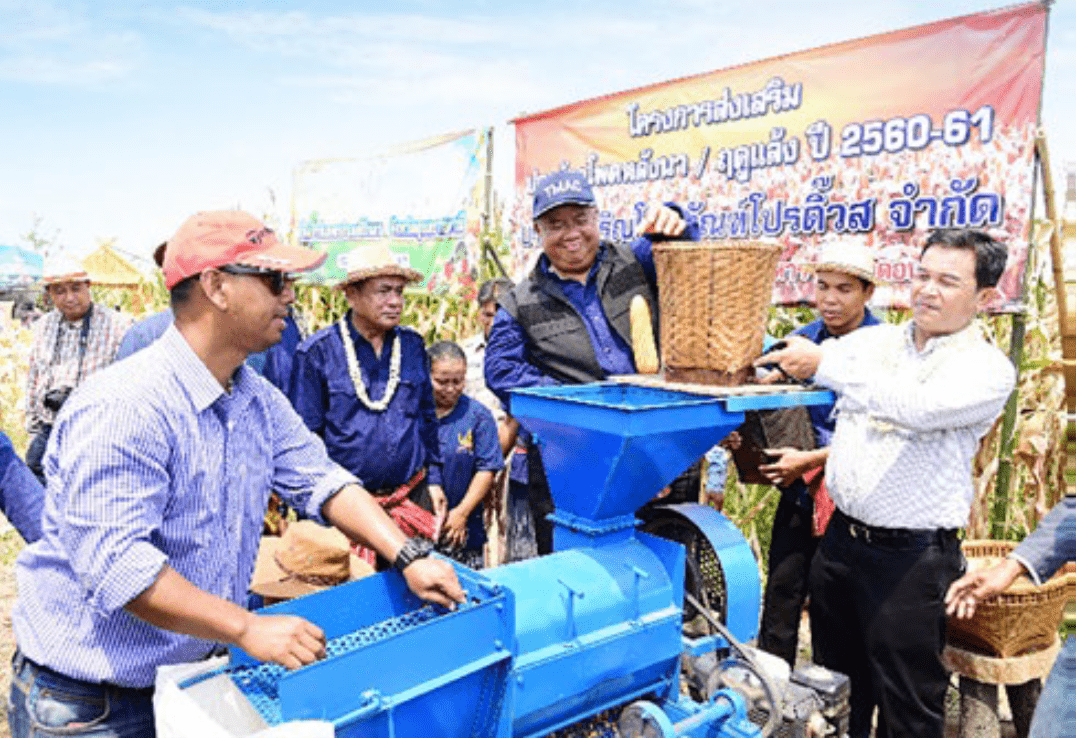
374 260
847 256
63 268
308 558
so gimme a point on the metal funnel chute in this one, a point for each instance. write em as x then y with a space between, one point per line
608 448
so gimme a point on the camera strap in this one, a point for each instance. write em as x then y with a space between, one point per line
83 341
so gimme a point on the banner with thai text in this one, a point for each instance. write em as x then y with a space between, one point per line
880 139
423 199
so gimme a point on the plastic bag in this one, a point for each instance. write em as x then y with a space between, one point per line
215 708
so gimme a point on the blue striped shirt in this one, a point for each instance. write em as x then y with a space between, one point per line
151 462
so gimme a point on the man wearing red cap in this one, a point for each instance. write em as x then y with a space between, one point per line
158 476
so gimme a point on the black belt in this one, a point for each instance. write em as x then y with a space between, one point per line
893 536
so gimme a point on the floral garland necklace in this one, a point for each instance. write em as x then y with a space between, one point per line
356 373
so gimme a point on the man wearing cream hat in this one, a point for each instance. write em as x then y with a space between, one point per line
71 342
844 283
363 385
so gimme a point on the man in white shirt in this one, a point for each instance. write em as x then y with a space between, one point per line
913 403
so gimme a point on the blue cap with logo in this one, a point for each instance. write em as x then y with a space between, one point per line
564 187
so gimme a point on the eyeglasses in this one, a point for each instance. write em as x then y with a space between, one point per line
275 280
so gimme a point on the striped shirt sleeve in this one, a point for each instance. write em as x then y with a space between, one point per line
113 490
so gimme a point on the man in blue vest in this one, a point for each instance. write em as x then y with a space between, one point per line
568 321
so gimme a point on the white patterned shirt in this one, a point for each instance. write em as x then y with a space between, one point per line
54 358
909 422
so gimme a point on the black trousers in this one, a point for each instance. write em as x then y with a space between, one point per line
792 548
878 615
540 500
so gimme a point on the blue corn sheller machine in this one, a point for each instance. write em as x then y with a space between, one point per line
544 643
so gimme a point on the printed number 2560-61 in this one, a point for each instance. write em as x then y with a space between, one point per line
915 133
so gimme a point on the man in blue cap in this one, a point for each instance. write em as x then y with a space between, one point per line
568 321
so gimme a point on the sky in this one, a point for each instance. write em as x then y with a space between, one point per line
120 119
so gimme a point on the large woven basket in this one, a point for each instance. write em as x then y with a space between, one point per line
1021 620
714 299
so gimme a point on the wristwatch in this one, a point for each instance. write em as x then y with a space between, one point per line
413 549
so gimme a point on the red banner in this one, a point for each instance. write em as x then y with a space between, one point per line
880 139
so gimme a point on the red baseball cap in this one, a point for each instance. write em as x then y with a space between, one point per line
215 238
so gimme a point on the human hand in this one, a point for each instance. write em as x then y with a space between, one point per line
799 358
980 585
287 640
440 508
661 220
454 533
772 377
790 465
434 580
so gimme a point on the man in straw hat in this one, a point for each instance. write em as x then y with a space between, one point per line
568 321
914 400
71 342
158 478
363 385
844 282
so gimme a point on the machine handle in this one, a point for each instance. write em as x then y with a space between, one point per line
639 574
570 614
373 704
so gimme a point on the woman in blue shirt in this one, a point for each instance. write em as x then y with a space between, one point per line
470 451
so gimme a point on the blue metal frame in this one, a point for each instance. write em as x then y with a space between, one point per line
737 562
543 643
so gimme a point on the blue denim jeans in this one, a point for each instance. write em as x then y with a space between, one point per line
45 703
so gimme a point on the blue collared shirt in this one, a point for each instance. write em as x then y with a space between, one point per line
152 463
383 449
144 332
822 416
469 444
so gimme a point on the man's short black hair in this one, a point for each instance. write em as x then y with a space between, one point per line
491 289
445 350
181 293
990 255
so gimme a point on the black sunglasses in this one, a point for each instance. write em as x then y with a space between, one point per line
274 279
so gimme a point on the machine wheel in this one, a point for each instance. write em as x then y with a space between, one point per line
704 576
644 719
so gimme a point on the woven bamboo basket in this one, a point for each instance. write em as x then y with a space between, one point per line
714 299
1021 620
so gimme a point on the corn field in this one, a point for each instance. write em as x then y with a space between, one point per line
1037 458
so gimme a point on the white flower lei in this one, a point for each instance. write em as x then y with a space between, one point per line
356 374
